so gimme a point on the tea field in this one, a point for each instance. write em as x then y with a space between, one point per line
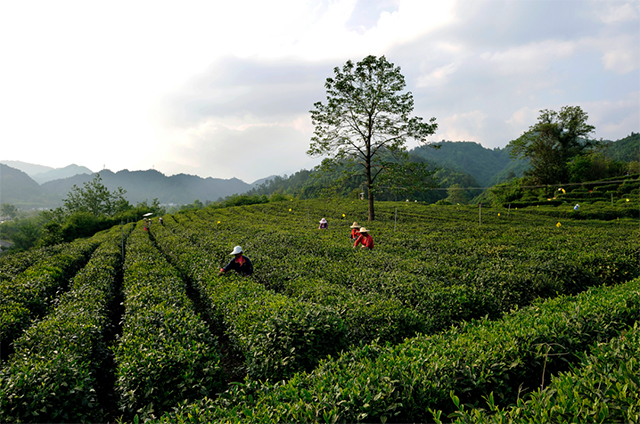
458 314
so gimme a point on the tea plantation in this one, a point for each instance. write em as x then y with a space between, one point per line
458 314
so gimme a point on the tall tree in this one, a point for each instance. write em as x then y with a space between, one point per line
552 142
366 115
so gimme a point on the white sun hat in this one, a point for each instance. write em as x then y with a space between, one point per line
236 250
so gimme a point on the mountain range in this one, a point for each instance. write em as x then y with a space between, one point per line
17 187
35 186
42 174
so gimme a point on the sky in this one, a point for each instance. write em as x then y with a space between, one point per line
223 89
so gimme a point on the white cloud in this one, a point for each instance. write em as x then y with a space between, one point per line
614 119
523 118
155 83
616 12
463 127
530 58
620 54
249 151
437 76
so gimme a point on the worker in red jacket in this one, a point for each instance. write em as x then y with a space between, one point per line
365 239
355 231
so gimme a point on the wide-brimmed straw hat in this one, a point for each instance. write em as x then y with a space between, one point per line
236 250
322 221
363 230
354 225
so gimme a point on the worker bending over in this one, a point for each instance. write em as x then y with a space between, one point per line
240 263
364 240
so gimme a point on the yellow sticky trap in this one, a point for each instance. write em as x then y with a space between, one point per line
558 225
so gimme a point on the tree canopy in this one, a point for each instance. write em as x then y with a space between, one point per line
553 142
96 199
366 118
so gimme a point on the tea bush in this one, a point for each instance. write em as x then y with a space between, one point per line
31 294
410 381
277 335
602 387
166 353
53 374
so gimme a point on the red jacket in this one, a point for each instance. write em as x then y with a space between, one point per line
366 240
355 233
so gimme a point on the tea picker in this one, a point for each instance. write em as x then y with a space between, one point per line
240 263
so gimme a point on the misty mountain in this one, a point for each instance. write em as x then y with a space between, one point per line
59 173
151 184
28 168
17 188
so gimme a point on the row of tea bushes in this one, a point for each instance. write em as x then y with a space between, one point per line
441 276
601 210
368 316
283 264
603 387
12 264
413 380
31 294
54 374
276 334
166 352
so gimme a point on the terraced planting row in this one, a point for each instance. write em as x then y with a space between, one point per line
443 313
57 371
166 353
414 381
440 277
276 335
603 387
31 293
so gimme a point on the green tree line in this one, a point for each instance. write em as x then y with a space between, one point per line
85 211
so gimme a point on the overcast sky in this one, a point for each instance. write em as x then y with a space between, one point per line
223 88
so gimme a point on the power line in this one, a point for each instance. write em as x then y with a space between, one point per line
512 187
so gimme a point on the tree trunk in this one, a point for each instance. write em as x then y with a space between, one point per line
369 191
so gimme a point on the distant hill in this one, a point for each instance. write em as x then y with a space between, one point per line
470 157
626 149
151 184
261 181
28 168
18 189
58 173
457 159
